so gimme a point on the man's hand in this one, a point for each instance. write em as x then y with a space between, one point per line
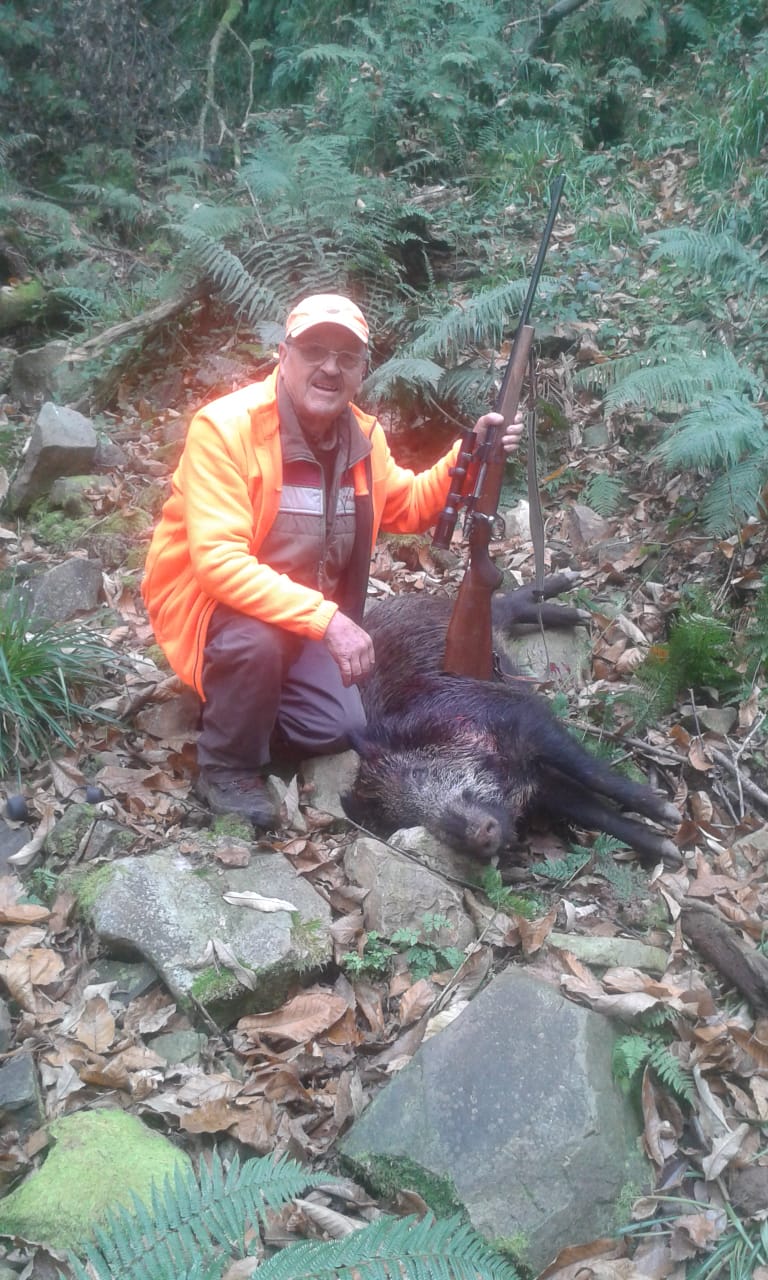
350 647
513 431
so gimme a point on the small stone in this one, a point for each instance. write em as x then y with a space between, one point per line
17 809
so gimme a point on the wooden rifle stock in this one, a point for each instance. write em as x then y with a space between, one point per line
468 645
469 642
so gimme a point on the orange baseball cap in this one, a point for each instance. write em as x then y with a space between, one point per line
326 308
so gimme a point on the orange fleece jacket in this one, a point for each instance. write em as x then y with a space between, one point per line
225 495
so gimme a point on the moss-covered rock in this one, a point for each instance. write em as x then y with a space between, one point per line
98 1160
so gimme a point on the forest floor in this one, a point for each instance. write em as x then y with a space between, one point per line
705 1133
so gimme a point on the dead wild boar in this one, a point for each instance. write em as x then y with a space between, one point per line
474 760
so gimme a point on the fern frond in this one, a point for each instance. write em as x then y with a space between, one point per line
111 199
474 321
562 869
325 54
681 381
693 22
195 1224
716 434
670 1072
51 216
603 493
735 496
715 254
233 282
217 221
402 369
630 1054
390 1249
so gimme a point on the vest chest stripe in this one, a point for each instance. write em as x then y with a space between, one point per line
301 500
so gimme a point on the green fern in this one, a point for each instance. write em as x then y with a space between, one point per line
633 1053
716 434
387 1250
196 1226
404 370
123 205
193 1222
562 869
677 382
626 879
603 493
718 255
479 320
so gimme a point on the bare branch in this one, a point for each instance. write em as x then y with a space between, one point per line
551 19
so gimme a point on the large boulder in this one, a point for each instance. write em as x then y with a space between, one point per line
63 443
512 1113
230 956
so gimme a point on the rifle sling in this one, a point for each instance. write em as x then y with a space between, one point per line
535 515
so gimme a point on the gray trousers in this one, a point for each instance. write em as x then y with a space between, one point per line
270 693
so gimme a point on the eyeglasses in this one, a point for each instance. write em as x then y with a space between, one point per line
314 353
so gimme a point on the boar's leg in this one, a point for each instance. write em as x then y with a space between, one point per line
514 608
560 751
561 800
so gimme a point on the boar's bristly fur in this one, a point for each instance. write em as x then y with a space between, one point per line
472 760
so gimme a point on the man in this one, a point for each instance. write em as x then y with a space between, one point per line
256 576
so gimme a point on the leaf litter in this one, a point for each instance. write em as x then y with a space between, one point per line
291 1080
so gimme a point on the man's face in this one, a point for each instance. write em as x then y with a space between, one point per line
321 389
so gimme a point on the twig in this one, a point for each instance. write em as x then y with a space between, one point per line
749 788
719 943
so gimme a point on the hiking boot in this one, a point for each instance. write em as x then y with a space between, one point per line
234 791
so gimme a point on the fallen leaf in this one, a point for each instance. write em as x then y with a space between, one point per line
336 1225
300 1019
415 1002
96 1028
211 1117
14 912
255 1125
257 901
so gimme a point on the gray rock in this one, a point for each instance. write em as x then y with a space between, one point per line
596 436
68 589
109 455
67 493
585 526
605 953
35 374
719 720
83 832
437 857
167 907
562 655
179 1046
11 840
63 443
6 1030
21 1102
513 1113
325 778
130 979
400 893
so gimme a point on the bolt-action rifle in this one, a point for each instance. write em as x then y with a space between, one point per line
478 476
